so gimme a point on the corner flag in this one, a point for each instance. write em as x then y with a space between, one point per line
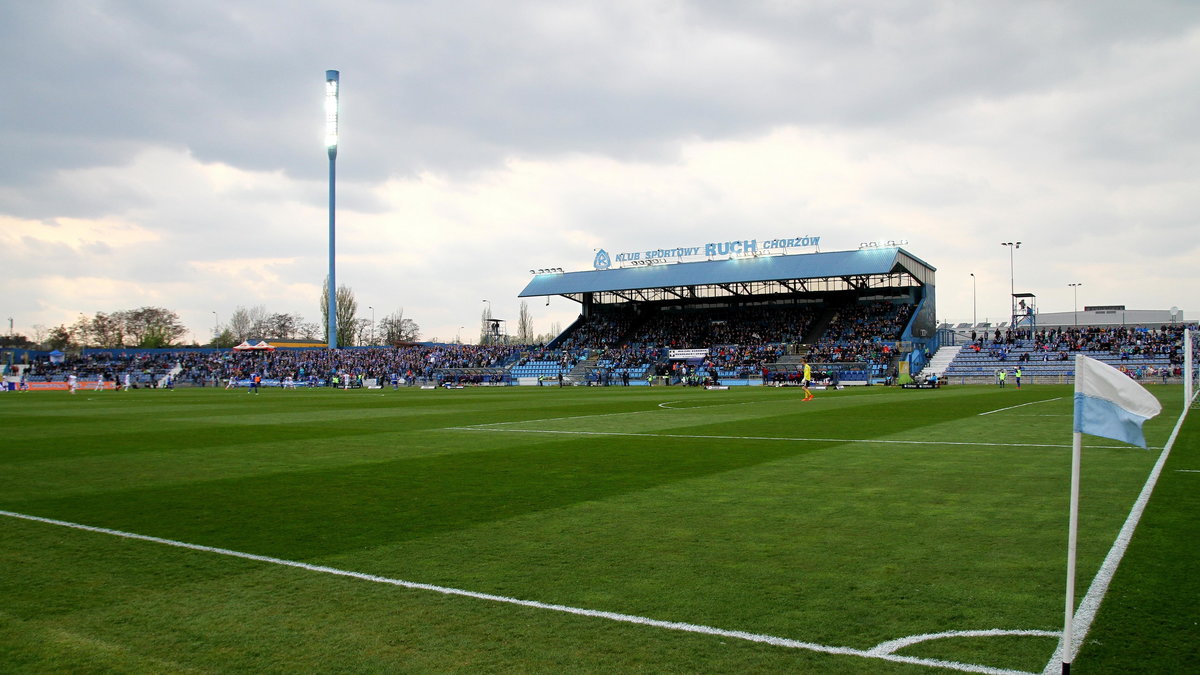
1109 404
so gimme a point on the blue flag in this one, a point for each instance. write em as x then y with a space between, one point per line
1109 404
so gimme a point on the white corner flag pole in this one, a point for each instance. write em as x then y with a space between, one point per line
1187 368
1109 405
1072 532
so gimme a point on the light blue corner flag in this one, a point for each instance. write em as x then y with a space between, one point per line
1110 404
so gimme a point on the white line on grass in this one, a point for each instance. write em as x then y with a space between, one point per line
665 405
1187 470
1022 405
894 645
772 438
611 616
559 419
1085 614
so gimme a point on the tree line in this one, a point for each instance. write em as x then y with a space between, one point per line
158 327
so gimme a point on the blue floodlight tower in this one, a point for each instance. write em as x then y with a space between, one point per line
331 143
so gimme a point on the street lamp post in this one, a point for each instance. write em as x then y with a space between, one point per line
372 324
332 85
1012 288
1075 287
974 317
216 326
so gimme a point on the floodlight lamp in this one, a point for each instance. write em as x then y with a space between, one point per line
331 112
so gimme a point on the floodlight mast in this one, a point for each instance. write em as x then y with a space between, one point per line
332 85
1012 285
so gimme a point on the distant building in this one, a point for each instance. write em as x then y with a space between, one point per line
1111 315
1100 315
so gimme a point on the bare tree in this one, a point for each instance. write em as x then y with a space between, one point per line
60 337
525 325
307 330
555 331
281 325
394 329
225 340
102 330
486 334
152 326
409 331
244 322
345 313
80 332
362 331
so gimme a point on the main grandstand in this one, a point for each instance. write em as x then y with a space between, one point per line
856 316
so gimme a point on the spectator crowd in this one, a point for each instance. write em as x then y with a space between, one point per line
738 341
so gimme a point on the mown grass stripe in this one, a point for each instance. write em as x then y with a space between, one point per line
988 444
578 611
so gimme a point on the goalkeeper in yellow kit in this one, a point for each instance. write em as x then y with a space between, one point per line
806 379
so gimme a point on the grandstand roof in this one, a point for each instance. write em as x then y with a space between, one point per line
782 274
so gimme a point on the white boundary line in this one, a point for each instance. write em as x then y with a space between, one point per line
880 652
767 438
570 417
665 404
1085 614
1022 405
894 645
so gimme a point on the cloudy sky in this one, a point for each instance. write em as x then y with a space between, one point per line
170 153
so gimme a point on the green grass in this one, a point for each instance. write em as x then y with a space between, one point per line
710 508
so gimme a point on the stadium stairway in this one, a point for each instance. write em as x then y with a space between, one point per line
173 373
788 363
580 372
940 361
818 326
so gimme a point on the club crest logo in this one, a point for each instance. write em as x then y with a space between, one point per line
602 261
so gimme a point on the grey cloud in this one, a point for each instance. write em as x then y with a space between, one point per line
452 86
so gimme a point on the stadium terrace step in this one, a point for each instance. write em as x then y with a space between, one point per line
580 371
940 361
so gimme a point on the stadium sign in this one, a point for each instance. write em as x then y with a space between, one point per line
658 256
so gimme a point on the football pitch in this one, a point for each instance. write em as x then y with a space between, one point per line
644 530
